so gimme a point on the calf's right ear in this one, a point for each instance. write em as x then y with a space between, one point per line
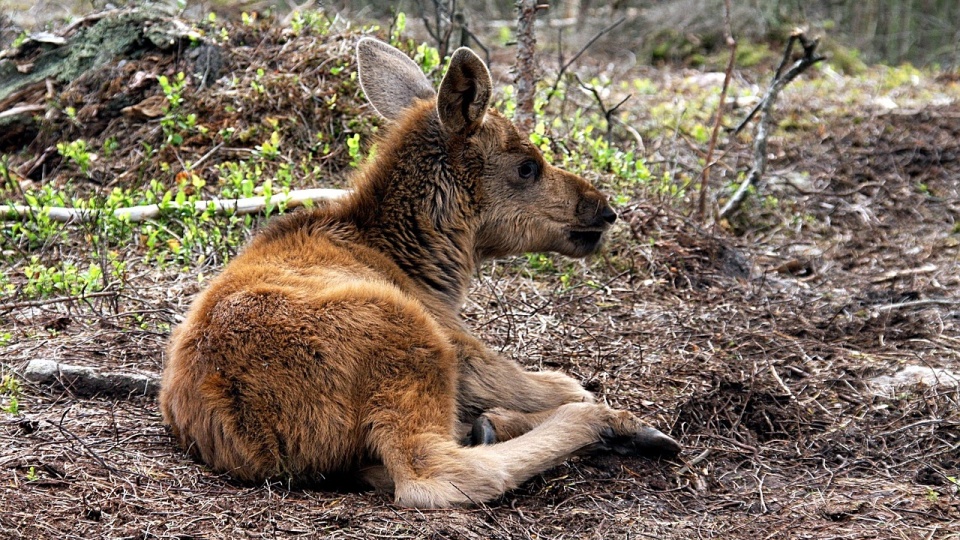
464 92
390 79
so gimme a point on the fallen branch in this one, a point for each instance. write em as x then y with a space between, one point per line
88 382
765 107
22 110
60 299
919 303
896 274
241 207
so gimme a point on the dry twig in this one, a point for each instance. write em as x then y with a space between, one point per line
607 113
568 63
705 176
765 107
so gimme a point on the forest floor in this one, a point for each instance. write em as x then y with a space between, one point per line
805 353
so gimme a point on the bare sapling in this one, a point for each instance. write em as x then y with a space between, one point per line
332 345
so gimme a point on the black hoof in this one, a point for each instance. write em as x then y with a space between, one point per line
482 433
648 442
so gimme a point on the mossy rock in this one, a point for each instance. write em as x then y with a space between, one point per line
128 34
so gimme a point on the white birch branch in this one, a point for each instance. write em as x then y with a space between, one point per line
241 207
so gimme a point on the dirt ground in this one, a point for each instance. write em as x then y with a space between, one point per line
793 351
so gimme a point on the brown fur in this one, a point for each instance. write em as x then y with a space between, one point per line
332 344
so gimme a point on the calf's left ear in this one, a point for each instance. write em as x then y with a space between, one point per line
464 93
391 81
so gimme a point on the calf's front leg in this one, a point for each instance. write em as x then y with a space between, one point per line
499 401
488 380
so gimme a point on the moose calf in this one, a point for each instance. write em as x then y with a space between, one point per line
332 345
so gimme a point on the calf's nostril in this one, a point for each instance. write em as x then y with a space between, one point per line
608 215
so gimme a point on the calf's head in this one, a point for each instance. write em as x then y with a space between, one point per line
519 203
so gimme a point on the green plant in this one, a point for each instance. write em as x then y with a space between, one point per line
270 149
397 28
32 475
78 153
110 146
257 83
65 278
427 57
19 40
37 230
10 394
353 150
173 123
541 262
311 21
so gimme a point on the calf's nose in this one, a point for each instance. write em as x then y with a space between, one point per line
607 214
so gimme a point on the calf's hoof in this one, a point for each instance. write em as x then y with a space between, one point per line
481 433
646 441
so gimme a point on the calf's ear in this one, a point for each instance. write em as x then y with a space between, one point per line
390 79
464 93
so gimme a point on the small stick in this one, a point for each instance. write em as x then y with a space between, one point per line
776 377
607 113
705 176
693 462
894 274
919 303
23 109
60 299
85 382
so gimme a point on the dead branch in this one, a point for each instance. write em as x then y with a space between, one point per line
568 63
22 110
87 382
445 22
607 113
466 36
896 274
705 176
135 214
60 299
919 303
527 69
780 81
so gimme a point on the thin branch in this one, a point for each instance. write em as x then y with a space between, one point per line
23 109
705 176
476 41
920 303
607 113
84 381
60 299
570 62
766 108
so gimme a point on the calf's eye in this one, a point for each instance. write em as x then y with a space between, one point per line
528 170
